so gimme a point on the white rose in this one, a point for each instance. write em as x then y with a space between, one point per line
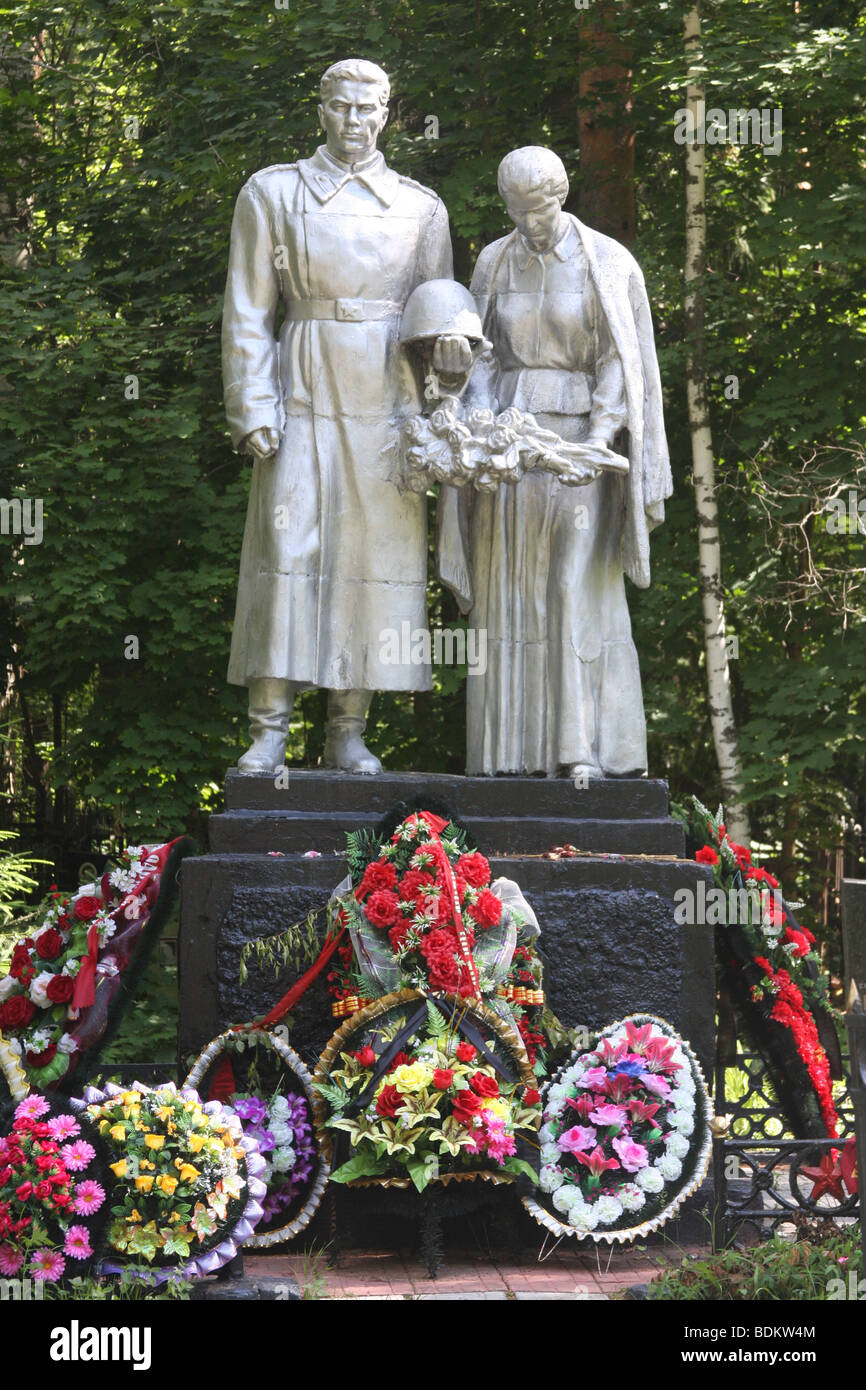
683 1121
545 1134
67 1044
284 1160
556 1095
650 1180
7 985
683 1100
567 1197
609 1210
669 1167
38 987
550 1178
676 1144
279 1106
550 1153
631 1197
583 1218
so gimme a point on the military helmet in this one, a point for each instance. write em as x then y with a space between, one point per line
441 306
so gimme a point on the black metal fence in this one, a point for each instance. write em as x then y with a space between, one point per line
764 1178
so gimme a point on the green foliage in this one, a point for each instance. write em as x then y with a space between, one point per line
292 949
16 882
816 1266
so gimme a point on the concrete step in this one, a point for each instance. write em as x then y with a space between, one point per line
294 831
614 798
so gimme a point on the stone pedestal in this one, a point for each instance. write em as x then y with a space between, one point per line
607 916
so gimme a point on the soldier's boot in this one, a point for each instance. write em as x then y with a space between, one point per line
347 719
271 703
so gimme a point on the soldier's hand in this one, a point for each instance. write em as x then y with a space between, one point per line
262 443
452 354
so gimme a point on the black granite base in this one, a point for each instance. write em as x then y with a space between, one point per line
607 919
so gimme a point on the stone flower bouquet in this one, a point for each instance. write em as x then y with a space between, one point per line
462 445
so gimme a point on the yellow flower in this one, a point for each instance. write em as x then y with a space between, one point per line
129 1098
175 1216
410 1077
197 1142
138 1125
118 1132
166 1184
188 1173
164 1112
154 1141
118 1168
496 1107
144 1163
144 1184
135 1214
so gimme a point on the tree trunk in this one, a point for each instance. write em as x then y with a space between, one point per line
703 464
606 198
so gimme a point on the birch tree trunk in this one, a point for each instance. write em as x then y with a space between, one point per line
703 464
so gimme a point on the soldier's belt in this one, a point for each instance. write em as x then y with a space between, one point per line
344 310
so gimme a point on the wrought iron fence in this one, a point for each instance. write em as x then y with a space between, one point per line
768 1187
745 1093
764 1177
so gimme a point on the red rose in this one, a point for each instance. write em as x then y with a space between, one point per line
377 876
484 1085
389 1102
41 1059
86 908
466 1105
397 935
21 966
475 869
442 1078
412 882
366 1056
401 1060
531 1096
707 855
23 1192
487 910
61 1199
382 908
59 989
465 1052
42 1190
49 944
16 1012
64 921
741 854
798 940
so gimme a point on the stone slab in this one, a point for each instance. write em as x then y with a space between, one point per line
608 933
301 810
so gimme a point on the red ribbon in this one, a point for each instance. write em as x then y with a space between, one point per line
84 992
436 825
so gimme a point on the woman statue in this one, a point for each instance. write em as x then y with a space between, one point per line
540 565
